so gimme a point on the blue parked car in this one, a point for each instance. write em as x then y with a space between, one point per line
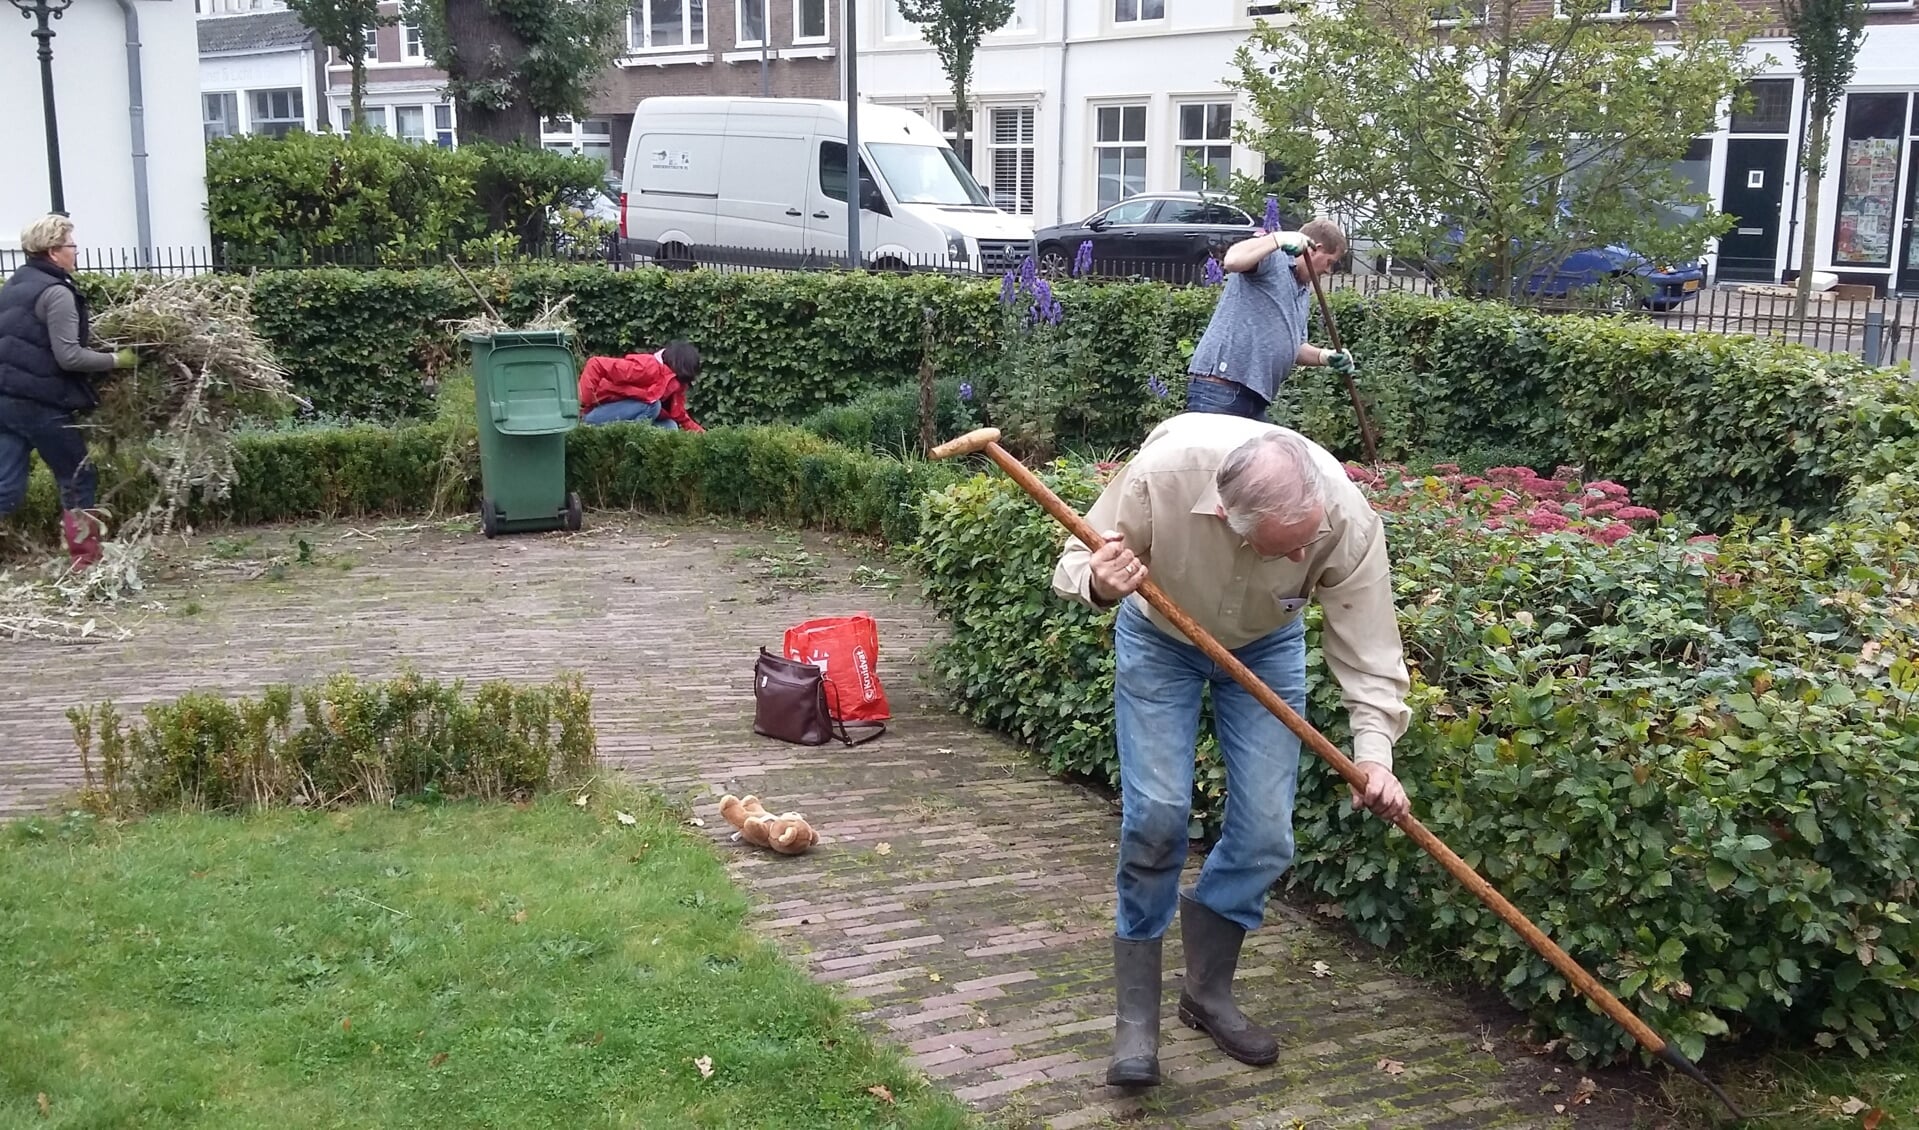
1622 274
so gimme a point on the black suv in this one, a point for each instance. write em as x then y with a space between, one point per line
1155 235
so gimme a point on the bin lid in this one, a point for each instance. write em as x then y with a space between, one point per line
503 338
532 391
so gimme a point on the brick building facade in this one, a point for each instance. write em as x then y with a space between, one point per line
686 47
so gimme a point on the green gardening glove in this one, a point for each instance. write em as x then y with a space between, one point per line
1340 361
125 358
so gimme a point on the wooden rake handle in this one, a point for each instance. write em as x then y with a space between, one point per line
987 440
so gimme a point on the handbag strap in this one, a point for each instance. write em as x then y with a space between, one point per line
834 722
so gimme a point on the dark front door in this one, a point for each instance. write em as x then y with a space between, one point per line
1908 282
1752 194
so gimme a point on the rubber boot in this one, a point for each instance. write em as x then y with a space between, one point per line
1136 976
81 530
1206 1002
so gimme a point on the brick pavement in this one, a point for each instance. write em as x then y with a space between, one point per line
958 895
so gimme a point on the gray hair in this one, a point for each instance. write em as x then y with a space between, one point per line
1271 476
46 233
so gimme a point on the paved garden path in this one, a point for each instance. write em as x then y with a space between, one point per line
962 897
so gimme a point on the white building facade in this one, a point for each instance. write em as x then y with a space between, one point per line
132 163
1078 103
261 71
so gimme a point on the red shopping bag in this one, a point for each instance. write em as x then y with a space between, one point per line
846 649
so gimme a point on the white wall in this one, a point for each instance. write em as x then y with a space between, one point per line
90 88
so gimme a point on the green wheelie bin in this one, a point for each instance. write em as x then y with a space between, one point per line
526 396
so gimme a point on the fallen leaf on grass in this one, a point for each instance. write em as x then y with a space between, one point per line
1584 1092
1321 969
705 1064
346 1024
1853 1105
879 1091
1391 1067
625 818
694 822
519 916
46 1107
437 1060
1559 1108
580 801
1872 1119
882 848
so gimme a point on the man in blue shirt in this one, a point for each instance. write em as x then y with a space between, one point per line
1258 331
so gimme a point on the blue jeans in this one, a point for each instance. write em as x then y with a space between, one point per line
617 411
1231 399
1156 693
27 426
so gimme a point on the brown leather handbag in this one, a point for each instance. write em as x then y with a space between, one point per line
789 703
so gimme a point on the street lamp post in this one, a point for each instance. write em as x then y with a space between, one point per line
43 12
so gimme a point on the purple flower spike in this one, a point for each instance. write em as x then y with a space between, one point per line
1157 387
1215 274
1008 289
966 390
1083 261
1272 213
1028 273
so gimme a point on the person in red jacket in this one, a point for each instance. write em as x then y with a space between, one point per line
641 386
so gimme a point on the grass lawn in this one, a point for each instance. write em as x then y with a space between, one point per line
1832 1089
466 965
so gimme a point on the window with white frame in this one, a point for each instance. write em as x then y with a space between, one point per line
750 29
1448 13
1205 145
666 25
1023 21
276 113
443 125
412 42
590 137
375 117
1119 152
370 39
949 128
809 21
1138 11
1623 9
409 124
220 114
1010 158
897 25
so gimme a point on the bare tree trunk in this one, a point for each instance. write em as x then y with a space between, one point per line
356 114
1815 168
486 49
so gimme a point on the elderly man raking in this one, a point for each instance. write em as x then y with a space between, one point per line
1241 523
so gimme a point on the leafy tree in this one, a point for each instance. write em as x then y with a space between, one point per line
342 25
1493 139
1826 35
955 28
510 63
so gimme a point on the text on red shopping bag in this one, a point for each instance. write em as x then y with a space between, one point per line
846 649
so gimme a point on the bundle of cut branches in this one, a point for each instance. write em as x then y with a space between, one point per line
552 315
203 367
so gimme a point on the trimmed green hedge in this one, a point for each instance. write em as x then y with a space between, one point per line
778 474
1697 769
1707 425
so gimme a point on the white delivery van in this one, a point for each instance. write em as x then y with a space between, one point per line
762 182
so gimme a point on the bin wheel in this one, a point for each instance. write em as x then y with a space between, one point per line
574 514
489 518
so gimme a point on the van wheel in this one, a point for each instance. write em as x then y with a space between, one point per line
891 266
675 257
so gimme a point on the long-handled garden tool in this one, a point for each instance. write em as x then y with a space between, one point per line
987 440
1369 443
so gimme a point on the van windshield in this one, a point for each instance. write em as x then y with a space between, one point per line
926 174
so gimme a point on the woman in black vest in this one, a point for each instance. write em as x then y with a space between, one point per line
46 383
